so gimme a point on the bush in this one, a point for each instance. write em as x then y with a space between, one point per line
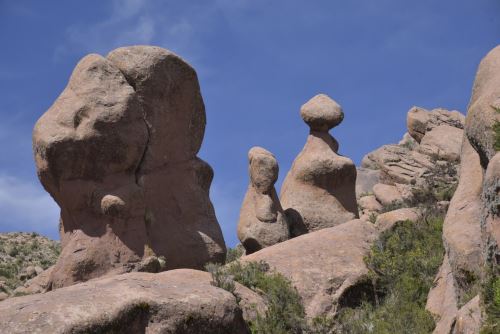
491 300
234 254
402 266
284 314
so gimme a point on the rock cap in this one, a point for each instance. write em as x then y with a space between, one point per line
321 113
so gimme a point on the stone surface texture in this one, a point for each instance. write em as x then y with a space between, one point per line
319 190
262 222
177 301
325 266
117 151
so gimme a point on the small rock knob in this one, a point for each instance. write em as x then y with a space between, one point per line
321 113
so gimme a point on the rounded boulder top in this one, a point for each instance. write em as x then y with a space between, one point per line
321 113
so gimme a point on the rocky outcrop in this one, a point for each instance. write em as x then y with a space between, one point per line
177 301
471 231
262 221
435 136
419 121
319 190
387 220
484 106
325 266
117 151
461 228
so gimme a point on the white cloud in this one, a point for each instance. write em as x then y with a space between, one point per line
25 206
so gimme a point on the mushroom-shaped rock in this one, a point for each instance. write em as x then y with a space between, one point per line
117 151
262 222
319 190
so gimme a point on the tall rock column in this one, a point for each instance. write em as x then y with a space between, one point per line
117 151
319 190
262 222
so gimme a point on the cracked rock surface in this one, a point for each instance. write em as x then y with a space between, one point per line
117 151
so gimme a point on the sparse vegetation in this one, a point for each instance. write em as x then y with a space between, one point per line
21 250
491 302
235 253
402 265
285 312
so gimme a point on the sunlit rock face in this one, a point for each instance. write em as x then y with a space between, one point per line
117 151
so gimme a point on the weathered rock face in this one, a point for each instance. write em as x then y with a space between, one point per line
419 121
262 221
461 228
484 107
433 135
471 231
319 190
325 266
442 299
117 151
177 301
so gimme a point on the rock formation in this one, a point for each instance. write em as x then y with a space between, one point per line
325 266
117 151
177 301
262 222
471 231
319 190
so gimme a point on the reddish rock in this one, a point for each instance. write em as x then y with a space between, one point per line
262 221
177 301
319 190
117 151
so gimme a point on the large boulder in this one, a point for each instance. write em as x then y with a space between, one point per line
177 301
443 142
484 107
419 121
262 221
319 189
327 266
117 151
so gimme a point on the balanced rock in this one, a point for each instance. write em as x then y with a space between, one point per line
319 190
117 151
262 221
484 107
177 301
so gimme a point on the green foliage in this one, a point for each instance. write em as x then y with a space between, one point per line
234 254
220 277
393 206
372 218
491 300
284 314
496 129
402 268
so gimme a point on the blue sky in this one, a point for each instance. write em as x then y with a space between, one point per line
258 61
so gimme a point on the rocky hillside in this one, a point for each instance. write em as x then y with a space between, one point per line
22 257
406 243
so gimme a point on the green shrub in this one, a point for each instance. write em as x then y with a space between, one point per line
402 266
491 300
285 312
234 254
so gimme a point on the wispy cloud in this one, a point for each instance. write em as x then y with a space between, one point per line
25 206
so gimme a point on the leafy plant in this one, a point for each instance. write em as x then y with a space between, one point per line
234 254
491 300
285 312
402 268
